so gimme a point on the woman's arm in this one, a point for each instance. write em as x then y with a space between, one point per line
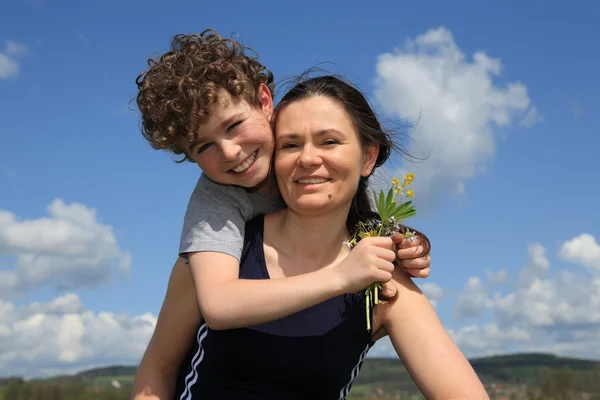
434 362
178 321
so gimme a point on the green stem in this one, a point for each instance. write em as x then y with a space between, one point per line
368 312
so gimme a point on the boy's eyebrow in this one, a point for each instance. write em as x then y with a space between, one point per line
320 132
230 119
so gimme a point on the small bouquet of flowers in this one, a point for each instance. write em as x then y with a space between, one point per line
392 211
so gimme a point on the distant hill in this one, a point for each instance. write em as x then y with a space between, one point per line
382 375
390 375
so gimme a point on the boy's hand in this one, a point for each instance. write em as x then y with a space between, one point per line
371 260
408 256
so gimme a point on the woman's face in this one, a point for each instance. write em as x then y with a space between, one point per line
318 158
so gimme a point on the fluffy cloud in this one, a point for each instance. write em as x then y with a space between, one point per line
61 336
458 103
550 310
432 291
9 66
68 249
498 278
472 301
582 250
488 339
543 309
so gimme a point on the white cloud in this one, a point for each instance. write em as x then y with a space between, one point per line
537 266
582 250
532 118
458 102
498 278
60 337
432 291
15 49
472 301
68 249
487 339
9 66
553 310
67 304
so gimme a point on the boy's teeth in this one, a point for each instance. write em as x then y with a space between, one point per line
312 180
244 166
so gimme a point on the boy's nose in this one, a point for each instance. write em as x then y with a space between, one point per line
229 151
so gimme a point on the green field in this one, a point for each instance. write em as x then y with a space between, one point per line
379 379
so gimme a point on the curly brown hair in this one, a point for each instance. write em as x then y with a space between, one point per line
175 93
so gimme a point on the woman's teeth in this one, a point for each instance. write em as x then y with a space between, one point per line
246 164
313 180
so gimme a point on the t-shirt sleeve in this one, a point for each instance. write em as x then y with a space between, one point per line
215 219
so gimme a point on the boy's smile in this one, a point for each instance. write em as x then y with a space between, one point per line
235 145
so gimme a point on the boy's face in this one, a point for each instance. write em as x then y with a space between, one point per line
235 145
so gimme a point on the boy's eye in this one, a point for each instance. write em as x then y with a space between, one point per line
203 147
233 126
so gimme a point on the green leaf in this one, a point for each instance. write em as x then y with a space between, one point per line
376 198
381 207
402 214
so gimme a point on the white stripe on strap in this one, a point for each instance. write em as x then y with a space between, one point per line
193 375
355 371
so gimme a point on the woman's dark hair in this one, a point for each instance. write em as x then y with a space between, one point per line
370 132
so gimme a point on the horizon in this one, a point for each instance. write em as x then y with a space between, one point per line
90 215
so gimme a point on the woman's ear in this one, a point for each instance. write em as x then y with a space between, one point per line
266 99
370 159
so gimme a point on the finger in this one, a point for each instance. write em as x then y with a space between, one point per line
408 243
383 276
383 242
410 253
385 254
416 263
397 238
419 273
385 265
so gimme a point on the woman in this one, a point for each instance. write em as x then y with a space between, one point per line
328 142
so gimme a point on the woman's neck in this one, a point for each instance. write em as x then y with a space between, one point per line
268 187
316 240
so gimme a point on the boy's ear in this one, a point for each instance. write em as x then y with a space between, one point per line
266 99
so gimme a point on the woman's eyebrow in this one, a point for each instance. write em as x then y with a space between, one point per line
320 132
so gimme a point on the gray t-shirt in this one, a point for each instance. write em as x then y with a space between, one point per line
216 216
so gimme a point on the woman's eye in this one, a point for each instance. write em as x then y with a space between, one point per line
330 142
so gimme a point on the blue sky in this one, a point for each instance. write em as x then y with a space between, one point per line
90 215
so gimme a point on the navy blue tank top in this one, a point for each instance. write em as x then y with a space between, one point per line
316 353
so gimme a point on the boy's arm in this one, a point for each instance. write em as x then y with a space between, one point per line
228 302
212 240
177 323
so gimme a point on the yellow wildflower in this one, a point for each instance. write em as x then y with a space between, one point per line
410 193
395 181
409 177
370 233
